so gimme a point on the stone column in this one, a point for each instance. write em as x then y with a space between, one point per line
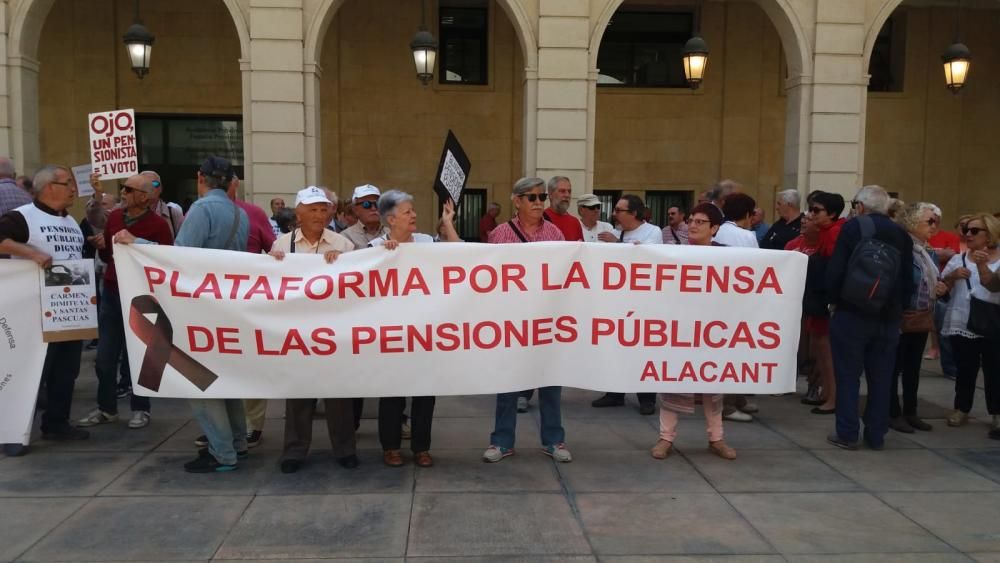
277 151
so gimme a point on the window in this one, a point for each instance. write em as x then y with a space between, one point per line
174 146
643 49
659 202
469 213
608 200
464 42
889 56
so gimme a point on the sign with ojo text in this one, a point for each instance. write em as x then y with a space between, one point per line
113 144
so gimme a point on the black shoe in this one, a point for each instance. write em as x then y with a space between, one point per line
608 400
207 464
647 408
919 424
291 465
994 434
812 396
348 462
841 443
899 424
201 441
254 438
92 345
817 410
14 450
65 433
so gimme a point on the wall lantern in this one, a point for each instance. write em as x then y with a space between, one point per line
956 58
139 44
424 48
695 61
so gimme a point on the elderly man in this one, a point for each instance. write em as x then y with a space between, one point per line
629 211
11 195
134 221
676 231
788 206
277 204
313 211
215 221
560 191
589 208
527 225
369 226
864 329
169 212
758 225
23 235
488 221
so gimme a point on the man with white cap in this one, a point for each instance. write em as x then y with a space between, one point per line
313 210
589 208
369 226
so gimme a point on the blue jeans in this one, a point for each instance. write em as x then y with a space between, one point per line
948 364
549 403
869 345
111 349
224 424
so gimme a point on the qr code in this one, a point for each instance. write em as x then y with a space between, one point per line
452 176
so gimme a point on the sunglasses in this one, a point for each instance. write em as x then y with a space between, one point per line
534 197
816 210
367 204
932 222
972 231
592 207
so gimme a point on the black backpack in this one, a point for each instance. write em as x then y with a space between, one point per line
872 271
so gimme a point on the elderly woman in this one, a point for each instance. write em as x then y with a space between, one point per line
395 208
527 225
703 224
918 318
966 275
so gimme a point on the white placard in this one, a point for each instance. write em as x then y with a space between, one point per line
82 176
22 352
452 176
113 143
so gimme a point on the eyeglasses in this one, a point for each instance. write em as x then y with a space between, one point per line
697 222
620 210
367 204
534 197
932 221
816 210
972 231
592 207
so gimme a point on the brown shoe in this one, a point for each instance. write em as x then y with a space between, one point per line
662 449
423 459
721 449
392 458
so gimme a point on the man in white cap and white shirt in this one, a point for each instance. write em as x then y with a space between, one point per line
369 226
589 208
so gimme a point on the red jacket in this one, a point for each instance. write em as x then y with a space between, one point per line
150 227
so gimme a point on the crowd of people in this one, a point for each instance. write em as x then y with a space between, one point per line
883 279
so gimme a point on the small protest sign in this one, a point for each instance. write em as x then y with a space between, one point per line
68 300
82 175
113 143
453 170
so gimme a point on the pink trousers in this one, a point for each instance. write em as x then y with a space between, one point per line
713 420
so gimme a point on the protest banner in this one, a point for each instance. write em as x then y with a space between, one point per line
81 174
22 352
453 171
68 301
112 144
450 319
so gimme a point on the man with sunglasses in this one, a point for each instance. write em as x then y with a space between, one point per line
97 215
589 208
133 221
44 231
369 226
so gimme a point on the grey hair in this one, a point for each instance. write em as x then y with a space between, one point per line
45 176
330 195
725 187
790 197
874 198
525 185
7 168
493 205
553 184
911 215
152 175
390 200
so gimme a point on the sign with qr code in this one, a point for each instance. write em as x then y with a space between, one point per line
453 171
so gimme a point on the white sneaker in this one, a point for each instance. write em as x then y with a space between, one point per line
140 419
558 452
96 416
494 454
738 416
522 404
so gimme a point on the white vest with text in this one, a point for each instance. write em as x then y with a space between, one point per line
59 237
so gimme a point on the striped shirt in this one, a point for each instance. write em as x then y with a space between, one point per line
504 234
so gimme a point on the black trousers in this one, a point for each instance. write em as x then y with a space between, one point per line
909 356
643 397
299 425
62 365
970 354
390 422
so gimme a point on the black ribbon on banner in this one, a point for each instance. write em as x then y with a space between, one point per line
160 350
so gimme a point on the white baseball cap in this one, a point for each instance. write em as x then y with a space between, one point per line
364 191
311 194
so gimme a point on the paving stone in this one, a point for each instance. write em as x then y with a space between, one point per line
660 523
691 435
968 521
811 433
905 470
985 557
273 438
161 527
322 475
694 559
882 558
598 471
972 435
516 559
337 560
117 437
756 471
163 474
464 471
30 520
288 527
447 524
458 433
985 462
802 523
627 433
52 474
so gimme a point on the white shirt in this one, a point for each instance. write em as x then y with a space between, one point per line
956 316
590 235
327 242
56 235
732 235
643 234
275 227
417 237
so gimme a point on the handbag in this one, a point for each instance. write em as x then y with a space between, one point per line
984 317
918 320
